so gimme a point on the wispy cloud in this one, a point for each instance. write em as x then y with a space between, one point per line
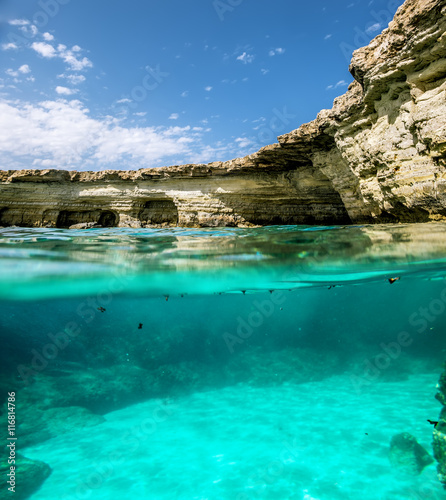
243 142
174 116
373 28
275 52
69 56
9 46
328 36
341 83
246 58
62 134
24 70
208 88
18 22
73 79
65 90
264 71
185 93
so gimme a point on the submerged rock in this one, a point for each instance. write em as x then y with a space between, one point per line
407 455
30 475
439 432
38 425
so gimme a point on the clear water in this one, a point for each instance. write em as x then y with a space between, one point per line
268 363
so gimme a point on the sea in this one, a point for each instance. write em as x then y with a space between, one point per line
272 363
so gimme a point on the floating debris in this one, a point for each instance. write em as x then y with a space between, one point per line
433 422
392 280
140 326
102 309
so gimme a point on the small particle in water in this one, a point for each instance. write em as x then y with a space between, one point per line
243 291
102 309
366 433
140 326
392 280
281 308
166 297
433 422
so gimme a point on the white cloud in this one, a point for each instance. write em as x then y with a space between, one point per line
24 69
243 142
140 113
373 28
18 22
277 51
124 100
48 37
62 134
44 49
208 89
74 79
264 71
326 37
185 93
30 31
174 116
65 90
9 46
48 51
69 57
341 83
246 58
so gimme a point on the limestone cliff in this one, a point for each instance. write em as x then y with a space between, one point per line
378 155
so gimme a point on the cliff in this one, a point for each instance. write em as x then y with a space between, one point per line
378 155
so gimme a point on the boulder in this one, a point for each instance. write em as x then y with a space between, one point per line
407 455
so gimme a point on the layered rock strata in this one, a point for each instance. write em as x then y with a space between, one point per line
378 155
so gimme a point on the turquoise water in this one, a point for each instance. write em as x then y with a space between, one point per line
266 363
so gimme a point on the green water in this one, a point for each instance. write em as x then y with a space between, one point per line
267 363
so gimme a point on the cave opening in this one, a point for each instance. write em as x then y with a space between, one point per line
104 218
159 212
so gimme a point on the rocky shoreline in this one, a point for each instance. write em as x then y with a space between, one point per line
377 156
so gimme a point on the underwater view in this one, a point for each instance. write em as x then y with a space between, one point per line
275 363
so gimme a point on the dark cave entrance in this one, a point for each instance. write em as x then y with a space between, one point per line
104 218
159 212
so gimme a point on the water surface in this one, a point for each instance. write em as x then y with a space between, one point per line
266 363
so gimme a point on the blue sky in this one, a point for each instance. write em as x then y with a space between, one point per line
95 84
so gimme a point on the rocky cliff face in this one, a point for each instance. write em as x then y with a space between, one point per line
379 155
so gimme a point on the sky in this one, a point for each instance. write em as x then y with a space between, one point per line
108 84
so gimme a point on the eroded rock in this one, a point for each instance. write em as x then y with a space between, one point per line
407 455
30 475
378 155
